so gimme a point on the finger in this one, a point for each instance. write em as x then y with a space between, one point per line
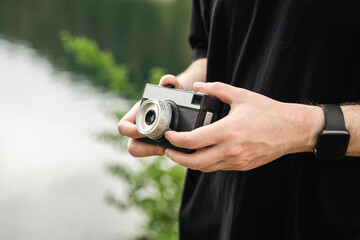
170 79
227 164
141 149
225 92
126 125
129 129
198 138
214 167
234 164
131 115
196 161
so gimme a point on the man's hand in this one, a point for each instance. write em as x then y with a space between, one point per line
256 131
127 127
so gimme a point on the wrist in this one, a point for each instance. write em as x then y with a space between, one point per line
196 72
182 80
351 114
187 80
348 116
309 122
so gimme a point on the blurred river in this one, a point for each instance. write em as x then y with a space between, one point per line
52 169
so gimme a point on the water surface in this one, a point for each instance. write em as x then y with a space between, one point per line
52 168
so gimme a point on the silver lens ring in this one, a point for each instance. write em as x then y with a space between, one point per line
153 118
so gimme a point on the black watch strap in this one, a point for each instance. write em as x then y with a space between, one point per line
334 138
334 118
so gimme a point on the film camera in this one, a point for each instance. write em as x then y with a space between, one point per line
165 108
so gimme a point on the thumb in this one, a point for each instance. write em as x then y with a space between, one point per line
224 92
170 79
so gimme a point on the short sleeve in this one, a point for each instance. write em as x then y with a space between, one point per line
198 35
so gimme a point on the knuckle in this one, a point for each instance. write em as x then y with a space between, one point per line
216 85
169 155
159 151
120 127
206 170
244 168
247 168
131 148
242 92
244 164
124 128
241 165
190 142
228 135
132 132
233 151
194 165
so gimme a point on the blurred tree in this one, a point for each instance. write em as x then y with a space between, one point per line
156 188
133 30
107 73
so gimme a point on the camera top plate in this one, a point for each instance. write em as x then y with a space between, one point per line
184 98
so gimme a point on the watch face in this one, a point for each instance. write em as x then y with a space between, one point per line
332 144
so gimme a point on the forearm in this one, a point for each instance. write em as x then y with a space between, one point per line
196 72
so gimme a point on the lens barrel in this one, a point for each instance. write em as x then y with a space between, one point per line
153 118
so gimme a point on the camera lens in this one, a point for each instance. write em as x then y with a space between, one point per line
150 117
153 118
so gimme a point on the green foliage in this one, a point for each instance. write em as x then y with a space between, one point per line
155 74
114 138
107 73
156 188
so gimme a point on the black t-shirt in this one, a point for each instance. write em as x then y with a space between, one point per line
292 51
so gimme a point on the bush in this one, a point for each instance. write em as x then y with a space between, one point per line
156 188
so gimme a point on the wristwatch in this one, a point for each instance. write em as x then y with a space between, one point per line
334 139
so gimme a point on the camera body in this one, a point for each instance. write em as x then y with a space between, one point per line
166 108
